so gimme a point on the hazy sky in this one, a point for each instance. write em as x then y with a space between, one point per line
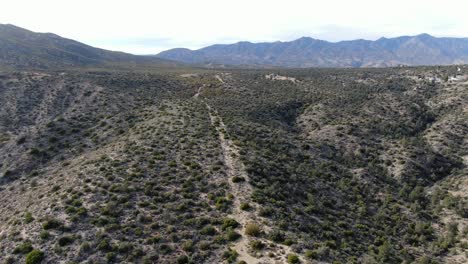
148 27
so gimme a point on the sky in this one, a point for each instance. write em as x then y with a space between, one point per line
151 26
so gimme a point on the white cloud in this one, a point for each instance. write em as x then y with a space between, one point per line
122 25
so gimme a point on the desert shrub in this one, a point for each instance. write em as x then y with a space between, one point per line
229 223
232 235
81 211
288 242
24 248
85 247
310 254
165 249
183 260
219 239
253 229
222 204
204 245
266 211
52 224
104 245
425 260
293 258
44 235
257 245
208 230
34 257
65 240
125 247
187 246
322 252
276 236
237 179
153 240
230 255
28 218
152 258
245 206
110 256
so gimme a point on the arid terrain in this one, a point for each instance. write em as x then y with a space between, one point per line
186 165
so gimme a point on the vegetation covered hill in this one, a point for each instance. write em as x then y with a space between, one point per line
308 52
343 166
21 48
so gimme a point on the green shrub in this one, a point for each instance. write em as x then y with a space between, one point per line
322 252
311 254
232 235
253 230
266 212
204 245
257 245
293 258
28 218
288 242
245 206
187 246
85 247
165 249
81 211
222 204
230 255
110 256
208 230
182 260
34 257
237 179
24 248
151 258
44 235
125 247
52 224
219 240
276 236
65 240
104 245
154 240
229 223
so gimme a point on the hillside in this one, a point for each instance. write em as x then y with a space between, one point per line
21 48
210 166
308 52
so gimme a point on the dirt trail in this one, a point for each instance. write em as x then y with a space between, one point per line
273 253
198 91
240 190
219 78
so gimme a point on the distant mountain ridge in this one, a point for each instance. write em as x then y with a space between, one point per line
304 52
21 48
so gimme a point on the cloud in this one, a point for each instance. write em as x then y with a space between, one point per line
148 26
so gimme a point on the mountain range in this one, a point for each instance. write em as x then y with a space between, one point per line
305 52
21 48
